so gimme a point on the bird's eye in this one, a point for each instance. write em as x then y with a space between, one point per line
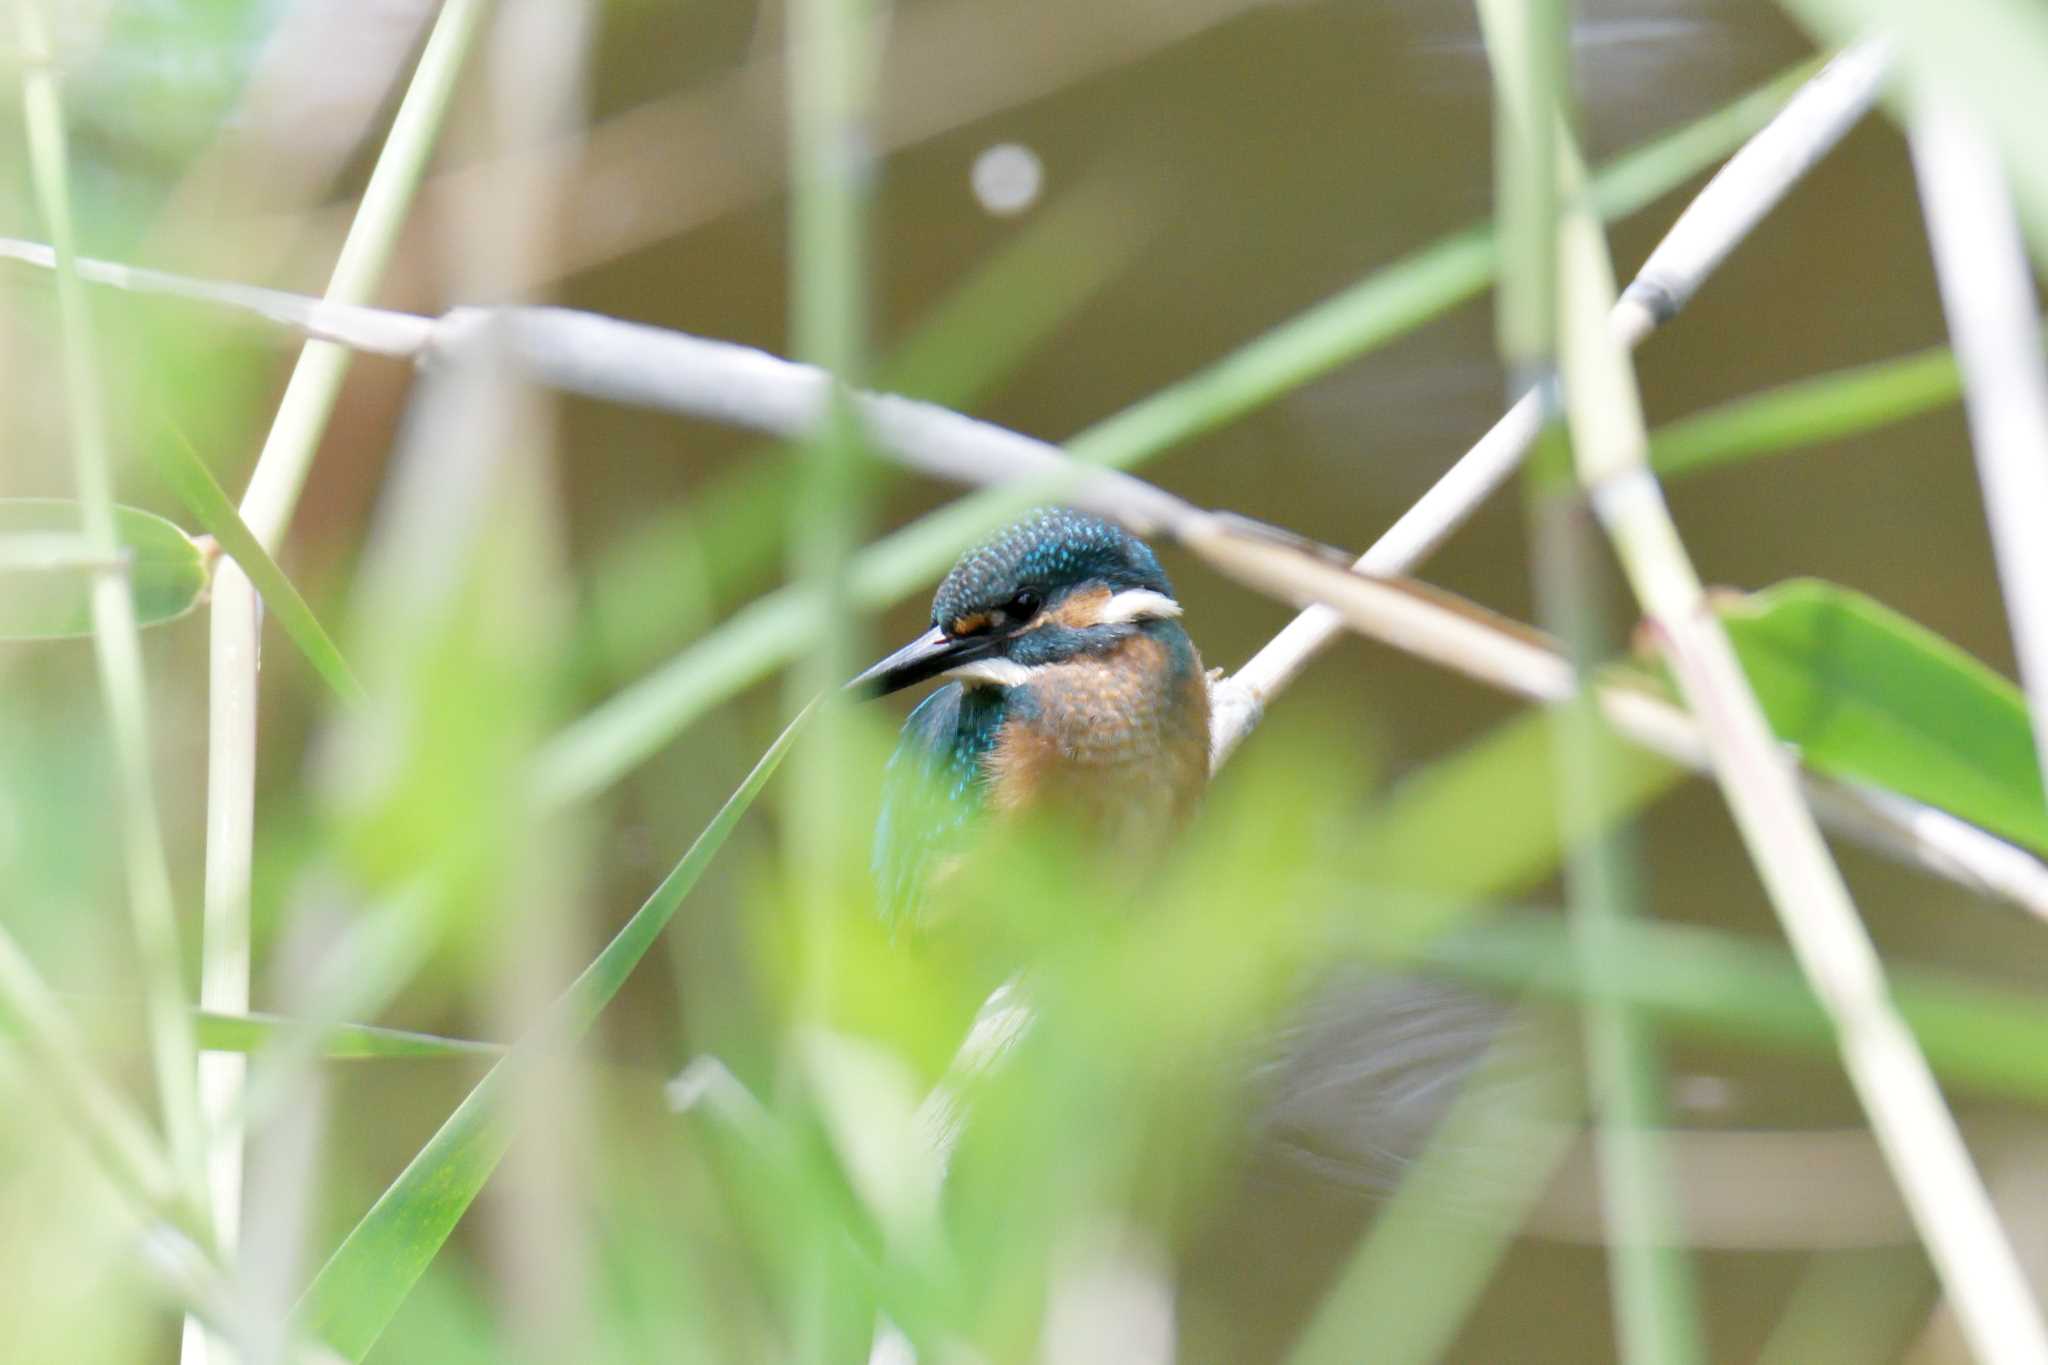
1023 606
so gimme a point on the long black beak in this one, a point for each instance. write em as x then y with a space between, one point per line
929 655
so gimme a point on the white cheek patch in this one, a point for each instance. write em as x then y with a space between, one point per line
992 673
1137 604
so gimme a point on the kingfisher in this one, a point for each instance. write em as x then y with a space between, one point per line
1072 688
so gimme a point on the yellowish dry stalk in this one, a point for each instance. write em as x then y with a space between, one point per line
1752 183
1987 292
1890 1074
273 492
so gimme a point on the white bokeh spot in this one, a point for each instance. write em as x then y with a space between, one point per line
1007 179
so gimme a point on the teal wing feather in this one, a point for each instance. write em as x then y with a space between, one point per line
933 793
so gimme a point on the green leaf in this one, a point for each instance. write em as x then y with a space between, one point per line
352 1300
249 1033
1726 986
1825 407
194 484
1867 694
46 568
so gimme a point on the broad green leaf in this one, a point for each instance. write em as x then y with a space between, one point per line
1867 694
362 1285
46 573
194 484
339 1042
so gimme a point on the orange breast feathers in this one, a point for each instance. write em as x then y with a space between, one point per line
1120 736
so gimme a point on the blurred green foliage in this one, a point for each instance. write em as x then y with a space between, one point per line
780 1192
47 572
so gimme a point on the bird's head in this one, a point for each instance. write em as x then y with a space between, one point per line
1056 585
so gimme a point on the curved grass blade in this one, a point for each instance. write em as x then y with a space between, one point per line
180 466
46 580
1825 407
356 1293
1868 694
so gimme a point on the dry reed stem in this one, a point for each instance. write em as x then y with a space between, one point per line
236 638
1987 291
1724 212
1890 1074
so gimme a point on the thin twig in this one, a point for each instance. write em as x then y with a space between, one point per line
1890 1074
376 331
1752 183
1987 290
1757 177
115 637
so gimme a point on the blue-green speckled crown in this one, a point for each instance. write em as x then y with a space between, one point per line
1048 550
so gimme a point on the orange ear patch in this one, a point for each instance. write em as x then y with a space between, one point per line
1078 610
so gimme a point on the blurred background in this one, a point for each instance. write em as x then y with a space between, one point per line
1074 204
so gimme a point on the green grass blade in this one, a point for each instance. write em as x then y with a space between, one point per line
181 468
249 1033
47 571
1743 990
1868 694
1826 407
1853 1307
362 1285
